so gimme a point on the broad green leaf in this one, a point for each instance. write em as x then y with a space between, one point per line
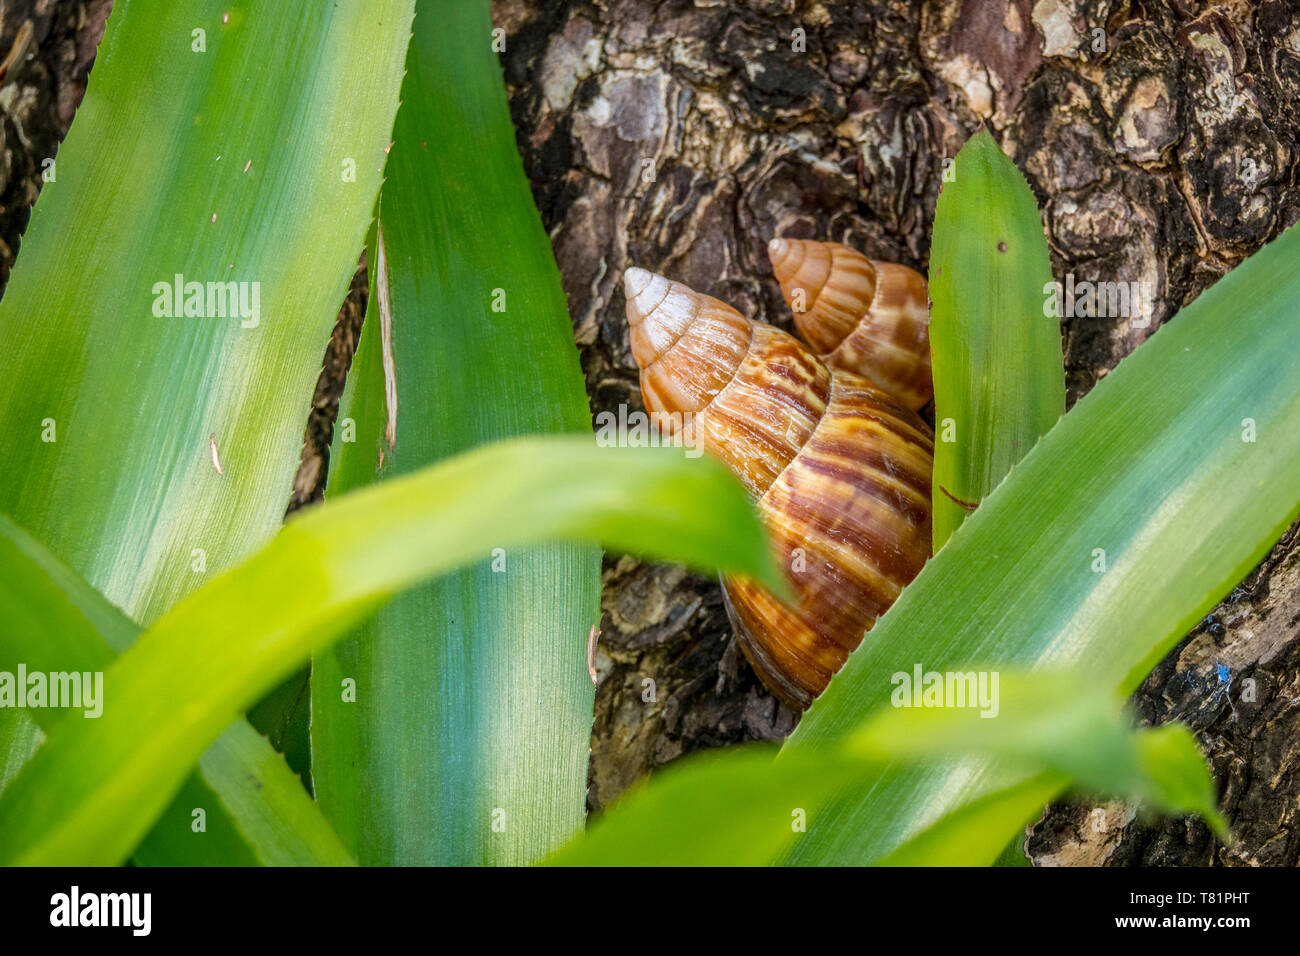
1050 719
1170 772
1125 524
466 740
1013 854
1170 758
743 807
999 376
19 738
972 834
1046 719
702 811
220 141
255 810
999 386
93 790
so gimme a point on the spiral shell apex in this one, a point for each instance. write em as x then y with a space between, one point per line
858 314
839 472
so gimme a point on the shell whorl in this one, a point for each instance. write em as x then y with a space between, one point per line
850 519
839 470
755 393
858 314
688 346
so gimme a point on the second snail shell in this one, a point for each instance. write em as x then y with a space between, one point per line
839 470
862 315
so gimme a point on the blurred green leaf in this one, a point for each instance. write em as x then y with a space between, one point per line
1053 719
256 810
971 834
1164 767
1046 720
221 141
19 739
744 807
999 375
700 811
472 702
93 790
1126 523
1173 765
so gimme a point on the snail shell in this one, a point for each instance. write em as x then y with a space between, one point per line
859 314
839 471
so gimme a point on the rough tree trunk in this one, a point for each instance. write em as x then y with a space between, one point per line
48 48
1160 140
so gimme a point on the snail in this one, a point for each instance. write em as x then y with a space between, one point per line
838 468
859 314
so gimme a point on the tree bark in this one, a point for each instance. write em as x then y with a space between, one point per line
46 49
1160 141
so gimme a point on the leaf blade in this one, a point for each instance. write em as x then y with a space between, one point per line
999 375
256 810
487 724
1151 468
741 807
91 792
112 411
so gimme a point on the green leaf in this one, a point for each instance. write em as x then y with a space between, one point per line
700 811
19 739
1171 761
1154 473
972 834
1164 766
472 706
107 407
1013 854
256 810
743 807
999 376
1048 719
93 790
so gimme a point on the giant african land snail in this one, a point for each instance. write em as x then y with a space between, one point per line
830 447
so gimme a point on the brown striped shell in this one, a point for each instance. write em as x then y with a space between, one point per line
840 473
859 314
